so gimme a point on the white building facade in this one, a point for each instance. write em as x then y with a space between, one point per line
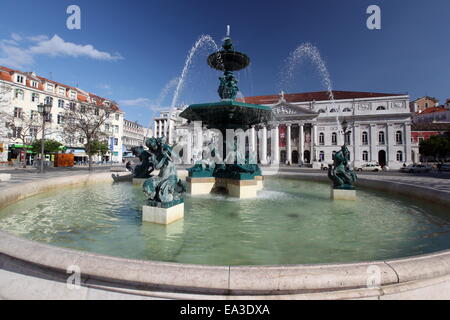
26 91
306 129
134 135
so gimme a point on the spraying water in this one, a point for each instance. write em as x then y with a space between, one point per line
201 42
307 50
162 96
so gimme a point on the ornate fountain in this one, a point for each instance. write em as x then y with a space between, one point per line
242 177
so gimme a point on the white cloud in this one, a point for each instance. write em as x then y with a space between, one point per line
16 37
56 46
142 103
138 102
14 55
38 38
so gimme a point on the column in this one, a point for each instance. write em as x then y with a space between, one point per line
165 128
288 144
301 141
407 141
390 144
187 151
160 133
155 127
263 145
356 145
170 133
373 142
252 140
276 145
313 143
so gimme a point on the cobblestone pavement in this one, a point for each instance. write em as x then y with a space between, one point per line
21 175
436 180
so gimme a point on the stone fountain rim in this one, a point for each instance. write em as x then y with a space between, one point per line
240 281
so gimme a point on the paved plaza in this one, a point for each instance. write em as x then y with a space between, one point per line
439 181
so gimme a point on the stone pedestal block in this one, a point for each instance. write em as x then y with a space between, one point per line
339 194
198 186
163 215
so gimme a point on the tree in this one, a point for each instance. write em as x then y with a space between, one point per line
99 147
85 122
435 146
50 146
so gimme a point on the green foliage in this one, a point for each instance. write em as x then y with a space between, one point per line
97 147
50 146
435 146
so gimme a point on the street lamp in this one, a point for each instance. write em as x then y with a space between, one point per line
44 110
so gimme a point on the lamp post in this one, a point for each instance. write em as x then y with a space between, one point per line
44 110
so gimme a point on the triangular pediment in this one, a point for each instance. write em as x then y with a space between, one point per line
288 109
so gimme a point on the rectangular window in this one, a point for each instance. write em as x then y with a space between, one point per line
49 87
34 114
33 132
73 95
60 103
117 116
34 84
116 141
16 132
18 112
19 94
19 79
72 106
347 139
34 97
62 91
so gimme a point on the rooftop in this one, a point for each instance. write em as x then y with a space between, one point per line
316 96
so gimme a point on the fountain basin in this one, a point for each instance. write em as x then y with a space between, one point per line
415 276
228 113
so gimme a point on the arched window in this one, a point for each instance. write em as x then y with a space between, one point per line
48 100
381 139
365 156
332 110
334 138
321 111
399 156
381 108
365 138
321 156
321 139
347 110
399 137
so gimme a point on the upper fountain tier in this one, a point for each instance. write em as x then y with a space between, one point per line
228 59
228 113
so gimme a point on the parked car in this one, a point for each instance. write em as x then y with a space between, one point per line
445 167
374 167
412 168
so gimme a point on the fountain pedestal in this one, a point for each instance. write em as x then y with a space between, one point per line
342 194
160 215
235 188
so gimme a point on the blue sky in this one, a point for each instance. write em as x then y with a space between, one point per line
138 47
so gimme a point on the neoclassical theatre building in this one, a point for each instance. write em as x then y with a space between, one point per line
306 128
